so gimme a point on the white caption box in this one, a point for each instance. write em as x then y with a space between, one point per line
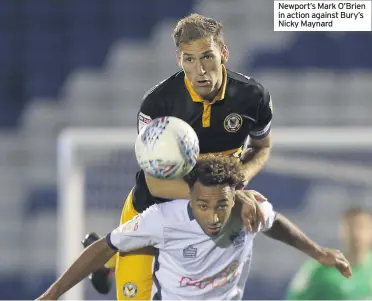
322 15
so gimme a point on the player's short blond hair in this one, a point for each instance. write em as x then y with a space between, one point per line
196 27
354 211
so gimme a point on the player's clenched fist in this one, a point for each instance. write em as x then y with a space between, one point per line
335 258
247 201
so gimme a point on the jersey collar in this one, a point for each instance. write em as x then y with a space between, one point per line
221 94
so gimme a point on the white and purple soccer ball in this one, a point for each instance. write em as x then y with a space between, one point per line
167 148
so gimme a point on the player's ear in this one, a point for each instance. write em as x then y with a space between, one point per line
178 56
190 197
224 54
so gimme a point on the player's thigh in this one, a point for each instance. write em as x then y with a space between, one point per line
125 213
133 271
133 275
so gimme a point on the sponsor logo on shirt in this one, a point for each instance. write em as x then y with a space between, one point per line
225 276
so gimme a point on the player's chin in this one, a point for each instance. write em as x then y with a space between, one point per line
212 232
205 91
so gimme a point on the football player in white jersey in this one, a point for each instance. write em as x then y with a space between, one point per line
201 251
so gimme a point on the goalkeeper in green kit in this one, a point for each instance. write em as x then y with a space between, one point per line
317 282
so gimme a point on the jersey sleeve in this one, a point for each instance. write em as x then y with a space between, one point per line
313 282
265 113
147 112
145 229
269 214
151 107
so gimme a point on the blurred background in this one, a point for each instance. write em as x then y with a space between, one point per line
87 63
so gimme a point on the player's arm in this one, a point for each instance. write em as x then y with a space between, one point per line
258 145
254 214
150 109
91 259
285 231
167 189
267 213
143 230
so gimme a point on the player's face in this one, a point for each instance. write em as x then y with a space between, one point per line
211 206
356 232
202 60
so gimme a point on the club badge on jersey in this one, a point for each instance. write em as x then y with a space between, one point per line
130 289
233 122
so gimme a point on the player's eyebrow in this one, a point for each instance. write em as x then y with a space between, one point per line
204 53
201 200
222 201
207 201
207 52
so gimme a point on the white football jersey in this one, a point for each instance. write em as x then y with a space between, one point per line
189 264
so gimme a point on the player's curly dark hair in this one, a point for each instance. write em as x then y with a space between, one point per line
213 170
196 27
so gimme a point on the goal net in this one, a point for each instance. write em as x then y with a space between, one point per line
313 175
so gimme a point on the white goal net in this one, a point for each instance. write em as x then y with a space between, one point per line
313 175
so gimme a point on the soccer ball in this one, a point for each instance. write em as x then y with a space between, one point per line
167 148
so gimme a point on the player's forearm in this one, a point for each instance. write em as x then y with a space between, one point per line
254 159
287 232
167 189
93 257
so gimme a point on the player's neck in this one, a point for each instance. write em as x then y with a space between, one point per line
357 258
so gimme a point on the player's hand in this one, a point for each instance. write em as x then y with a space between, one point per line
241 185
247 154
335 258
247 202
